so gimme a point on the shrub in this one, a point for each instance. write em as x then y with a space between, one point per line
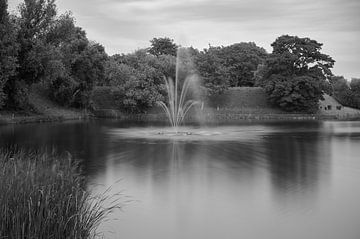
347 94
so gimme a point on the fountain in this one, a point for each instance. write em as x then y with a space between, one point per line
177 108
183 94
178 104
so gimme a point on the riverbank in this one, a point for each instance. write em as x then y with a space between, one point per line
237 104
42 109
16 118
223 116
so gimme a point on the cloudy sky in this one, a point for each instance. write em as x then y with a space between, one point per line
123 26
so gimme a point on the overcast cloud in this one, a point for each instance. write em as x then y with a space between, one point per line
123 26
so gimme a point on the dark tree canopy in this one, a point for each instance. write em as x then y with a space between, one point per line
8 50
214 74
305 54
138 79
295 75
163 46
36 17
39 46
347 93
355 85
242 60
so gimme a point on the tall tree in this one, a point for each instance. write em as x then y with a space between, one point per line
296 74
242 60
8 50
163 46
36 17
87 69
214 74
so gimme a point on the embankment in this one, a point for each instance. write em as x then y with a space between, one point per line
42 110
237 104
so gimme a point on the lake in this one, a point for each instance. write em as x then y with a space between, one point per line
253 180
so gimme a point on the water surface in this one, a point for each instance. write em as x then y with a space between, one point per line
260 180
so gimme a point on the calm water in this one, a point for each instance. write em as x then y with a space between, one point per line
274 180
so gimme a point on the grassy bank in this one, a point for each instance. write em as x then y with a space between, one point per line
236 104
43 196
41 109
28 117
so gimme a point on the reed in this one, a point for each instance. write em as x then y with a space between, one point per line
43 195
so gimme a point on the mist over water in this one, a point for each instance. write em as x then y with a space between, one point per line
254 180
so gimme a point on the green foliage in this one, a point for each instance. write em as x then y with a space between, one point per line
44 196
76 66
215 76
88 67
51 49
62 90
355 90
355 85
139 79
8 50
296 94
295 75
32 25
116 73
241 61
230 66
61 30
346 93
34 22
163 46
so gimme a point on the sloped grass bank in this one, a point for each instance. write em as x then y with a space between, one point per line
43 195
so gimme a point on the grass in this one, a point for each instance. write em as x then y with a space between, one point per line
43 196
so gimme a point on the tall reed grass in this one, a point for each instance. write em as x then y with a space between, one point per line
43 196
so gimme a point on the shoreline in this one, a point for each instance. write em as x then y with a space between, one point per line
231 118
6 119
37 118
224 117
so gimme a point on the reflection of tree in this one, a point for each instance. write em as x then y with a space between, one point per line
296 163
83 141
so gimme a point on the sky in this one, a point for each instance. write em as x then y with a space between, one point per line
123 26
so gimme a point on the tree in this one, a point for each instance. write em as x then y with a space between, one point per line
61 30
36 17
139 79
355 90
296 74
341 90
87 69
355 85
8 50
242 60
75 65
214 75
163 46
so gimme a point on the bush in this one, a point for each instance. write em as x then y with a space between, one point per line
297 94
43 196
62 90
347 94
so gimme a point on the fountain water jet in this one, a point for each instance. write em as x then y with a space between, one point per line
178 106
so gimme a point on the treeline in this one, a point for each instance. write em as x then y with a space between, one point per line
39 45
137 79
